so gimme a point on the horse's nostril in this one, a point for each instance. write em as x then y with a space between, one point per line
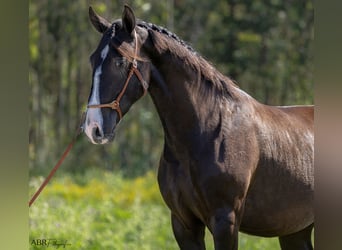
97 133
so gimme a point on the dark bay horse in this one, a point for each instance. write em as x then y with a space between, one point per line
229 162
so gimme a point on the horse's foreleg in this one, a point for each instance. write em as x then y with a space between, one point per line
189 237
224 227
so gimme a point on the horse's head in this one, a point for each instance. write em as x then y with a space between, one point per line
120 75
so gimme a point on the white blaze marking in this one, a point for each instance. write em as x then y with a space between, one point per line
94 115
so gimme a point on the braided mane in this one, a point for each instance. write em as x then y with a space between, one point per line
162 30
168 41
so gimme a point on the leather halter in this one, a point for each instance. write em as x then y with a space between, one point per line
134 70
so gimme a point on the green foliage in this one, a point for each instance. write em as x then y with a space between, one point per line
102 210
106 212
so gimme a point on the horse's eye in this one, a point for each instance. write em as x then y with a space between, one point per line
119 62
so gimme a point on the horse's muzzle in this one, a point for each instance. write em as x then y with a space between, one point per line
97 135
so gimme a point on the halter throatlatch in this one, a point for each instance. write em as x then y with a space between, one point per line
134 70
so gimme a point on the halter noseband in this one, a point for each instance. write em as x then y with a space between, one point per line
134 70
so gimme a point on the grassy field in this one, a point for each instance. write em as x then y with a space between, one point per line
103 210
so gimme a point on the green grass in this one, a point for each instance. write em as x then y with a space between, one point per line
102 210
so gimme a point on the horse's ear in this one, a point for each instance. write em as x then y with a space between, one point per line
100 24
128 19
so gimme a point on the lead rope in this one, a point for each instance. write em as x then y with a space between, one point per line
64 155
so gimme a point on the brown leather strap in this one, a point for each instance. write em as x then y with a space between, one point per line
141 79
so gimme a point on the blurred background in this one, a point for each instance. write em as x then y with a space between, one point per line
265 46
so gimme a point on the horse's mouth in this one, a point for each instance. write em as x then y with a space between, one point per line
108 138
97 133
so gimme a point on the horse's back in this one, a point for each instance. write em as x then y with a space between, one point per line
303 112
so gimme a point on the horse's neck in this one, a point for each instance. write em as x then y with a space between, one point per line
186 111
172 94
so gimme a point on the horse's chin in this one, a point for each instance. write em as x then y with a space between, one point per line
108 138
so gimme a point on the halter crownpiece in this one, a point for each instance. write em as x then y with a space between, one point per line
134 70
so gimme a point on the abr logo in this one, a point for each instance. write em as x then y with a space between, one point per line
39 242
